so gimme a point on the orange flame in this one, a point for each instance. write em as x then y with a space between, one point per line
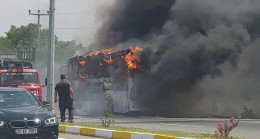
82 63
132 58
110 61
108 51
83 76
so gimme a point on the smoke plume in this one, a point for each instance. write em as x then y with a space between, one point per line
200 56
131 19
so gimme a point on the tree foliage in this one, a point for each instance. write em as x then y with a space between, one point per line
24 36
32 36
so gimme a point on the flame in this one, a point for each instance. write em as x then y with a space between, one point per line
82 63
108 51
110 61
132 58
83 76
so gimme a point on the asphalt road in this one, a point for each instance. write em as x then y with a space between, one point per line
71 136
247 128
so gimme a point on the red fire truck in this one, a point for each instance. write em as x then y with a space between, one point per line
16 71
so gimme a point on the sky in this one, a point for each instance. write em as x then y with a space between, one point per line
74 19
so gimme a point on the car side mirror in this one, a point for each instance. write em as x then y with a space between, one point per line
45 104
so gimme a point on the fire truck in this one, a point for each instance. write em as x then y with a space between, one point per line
17 71
99 72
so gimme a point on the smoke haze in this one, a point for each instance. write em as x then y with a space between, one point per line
130 19
201 56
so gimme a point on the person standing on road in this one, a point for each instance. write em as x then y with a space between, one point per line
66 98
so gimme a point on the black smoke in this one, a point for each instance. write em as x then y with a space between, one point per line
195 52
131 19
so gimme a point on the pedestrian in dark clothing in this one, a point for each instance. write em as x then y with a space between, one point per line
66 98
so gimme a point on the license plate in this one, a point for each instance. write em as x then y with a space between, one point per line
26 131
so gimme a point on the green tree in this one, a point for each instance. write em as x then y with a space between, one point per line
28 37
24 36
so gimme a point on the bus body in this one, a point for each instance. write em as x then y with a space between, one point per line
90 77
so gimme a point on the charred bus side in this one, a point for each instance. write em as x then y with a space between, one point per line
103 72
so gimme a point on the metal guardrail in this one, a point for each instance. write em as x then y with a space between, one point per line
24 55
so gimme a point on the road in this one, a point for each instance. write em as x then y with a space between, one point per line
70 136
247 128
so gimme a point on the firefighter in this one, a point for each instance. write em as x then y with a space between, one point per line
66 98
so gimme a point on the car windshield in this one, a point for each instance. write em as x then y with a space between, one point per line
17 99
18 78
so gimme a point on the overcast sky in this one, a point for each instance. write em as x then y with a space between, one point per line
74 19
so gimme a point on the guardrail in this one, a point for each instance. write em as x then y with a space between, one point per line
21 54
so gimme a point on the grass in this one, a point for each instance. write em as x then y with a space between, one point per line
161 132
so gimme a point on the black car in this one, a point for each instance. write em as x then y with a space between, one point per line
22 116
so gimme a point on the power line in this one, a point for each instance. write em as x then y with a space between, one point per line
72 13
78 38
14 20
61 33
75 28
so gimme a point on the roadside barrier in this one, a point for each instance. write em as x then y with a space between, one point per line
112 134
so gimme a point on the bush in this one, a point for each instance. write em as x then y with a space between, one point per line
109 117
225 129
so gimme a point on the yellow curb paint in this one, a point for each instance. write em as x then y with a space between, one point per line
62 128
86 131
163 137
121 135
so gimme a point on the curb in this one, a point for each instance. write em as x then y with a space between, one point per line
112 134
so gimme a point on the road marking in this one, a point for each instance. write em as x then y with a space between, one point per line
254 122
181 125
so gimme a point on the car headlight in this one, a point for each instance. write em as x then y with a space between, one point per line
52 120
37 120
2 123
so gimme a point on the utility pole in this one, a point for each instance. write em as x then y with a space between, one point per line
39 15
51 49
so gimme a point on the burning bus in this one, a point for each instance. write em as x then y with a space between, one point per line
104 70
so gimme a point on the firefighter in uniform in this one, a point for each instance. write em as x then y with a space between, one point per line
66 98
